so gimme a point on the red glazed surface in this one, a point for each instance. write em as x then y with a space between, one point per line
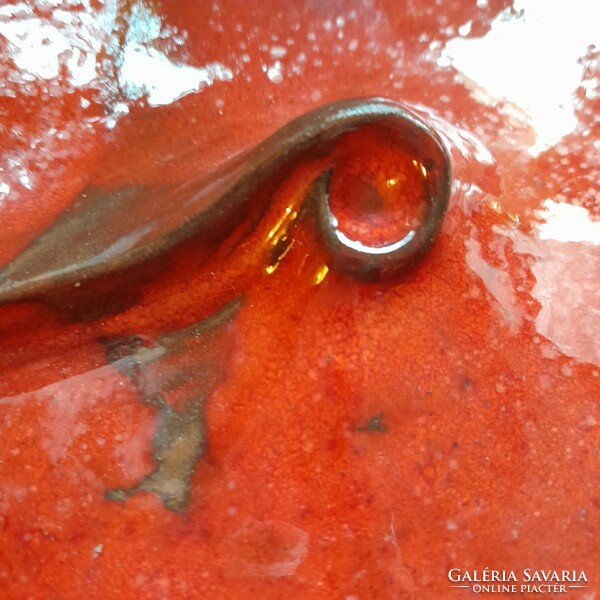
363 440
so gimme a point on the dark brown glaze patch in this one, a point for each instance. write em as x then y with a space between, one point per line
189 362
92 238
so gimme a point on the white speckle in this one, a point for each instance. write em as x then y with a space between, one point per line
278 51
327 25
232 511
591 88
4 189
25 180
566 370
444 61
589 421
118 110
274 72
451 525
434 45
340 21
465 29
500 388
315 95
97 550
353 45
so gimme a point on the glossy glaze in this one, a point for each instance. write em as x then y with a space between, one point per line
366 438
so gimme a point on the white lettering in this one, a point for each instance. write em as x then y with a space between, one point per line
496 589
544 588
454 575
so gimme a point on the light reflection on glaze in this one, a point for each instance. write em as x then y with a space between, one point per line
502 66
565 261
71 45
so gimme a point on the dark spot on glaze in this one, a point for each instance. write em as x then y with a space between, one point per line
465 383
374 424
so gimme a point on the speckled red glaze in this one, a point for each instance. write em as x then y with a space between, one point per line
489 456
